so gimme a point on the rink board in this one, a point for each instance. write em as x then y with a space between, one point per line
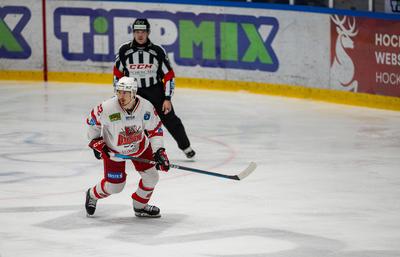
262 49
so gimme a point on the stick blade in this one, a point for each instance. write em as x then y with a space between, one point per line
252 166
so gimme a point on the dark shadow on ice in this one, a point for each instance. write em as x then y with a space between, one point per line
126 227
307 245
367 253
136 229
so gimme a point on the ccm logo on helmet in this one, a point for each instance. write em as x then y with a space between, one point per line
140 66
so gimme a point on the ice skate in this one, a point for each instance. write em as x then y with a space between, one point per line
189 152
149 211
90 204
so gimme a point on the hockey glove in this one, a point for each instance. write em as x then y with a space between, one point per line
99 147
162 160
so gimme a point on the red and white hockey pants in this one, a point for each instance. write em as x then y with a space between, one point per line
115 178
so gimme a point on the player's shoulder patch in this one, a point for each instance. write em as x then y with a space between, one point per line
147 115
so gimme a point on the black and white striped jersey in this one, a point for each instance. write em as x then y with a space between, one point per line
147 63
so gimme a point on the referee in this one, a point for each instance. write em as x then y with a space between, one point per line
149 64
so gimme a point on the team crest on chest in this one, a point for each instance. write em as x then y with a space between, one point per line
130 135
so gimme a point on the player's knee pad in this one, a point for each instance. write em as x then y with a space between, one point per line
150 177
112 188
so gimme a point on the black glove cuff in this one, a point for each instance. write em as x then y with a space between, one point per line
97 154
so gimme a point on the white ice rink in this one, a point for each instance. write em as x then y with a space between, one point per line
327 182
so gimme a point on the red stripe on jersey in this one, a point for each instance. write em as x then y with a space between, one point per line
136 197
155 131
94 118
141 146
170 75
141 186
136 104
117 73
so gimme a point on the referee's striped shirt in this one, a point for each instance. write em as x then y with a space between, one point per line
147 63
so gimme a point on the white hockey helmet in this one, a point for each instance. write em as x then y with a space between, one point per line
127 84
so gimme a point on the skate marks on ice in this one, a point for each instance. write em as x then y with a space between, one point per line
241 242
40 147
49 208
40 158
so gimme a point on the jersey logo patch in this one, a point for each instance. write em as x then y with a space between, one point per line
147 116
115 117
131 135
140 66
114 175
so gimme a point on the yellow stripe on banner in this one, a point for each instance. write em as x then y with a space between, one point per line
97 78
326 95
21 75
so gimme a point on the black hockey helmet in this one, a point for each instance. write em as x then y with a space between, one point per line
141 24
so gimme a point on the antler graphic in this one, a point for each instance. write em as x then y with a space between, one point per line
341 24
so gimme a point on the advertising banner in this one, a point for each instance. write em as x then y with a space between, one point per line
211 42
220 43
21 46
365 55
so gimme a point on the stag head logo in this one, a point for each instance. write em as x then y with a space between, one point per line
342 69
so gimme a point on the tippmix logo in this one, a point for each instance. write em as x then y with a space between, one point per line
342 69
206 40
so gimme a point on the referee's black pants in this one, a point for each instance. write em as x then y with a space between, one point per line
155 94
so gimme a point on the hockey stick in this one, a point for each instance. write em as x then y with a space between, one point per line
252 166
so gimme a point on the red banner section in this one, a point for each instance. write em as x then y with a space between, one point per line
365 55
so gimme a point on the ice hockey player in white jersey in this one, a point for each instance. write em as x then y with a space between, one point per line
126 124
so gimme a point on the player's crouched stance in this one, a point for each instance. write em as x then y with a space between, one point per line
126 124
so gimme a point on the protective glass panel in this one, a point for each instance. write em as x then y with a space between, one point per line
323 3
359 5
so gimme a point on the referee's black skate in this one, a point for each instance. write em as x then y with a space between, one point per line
149 211
90 204
189 152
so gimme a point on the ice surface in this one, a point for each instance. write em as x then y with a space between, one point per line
327 181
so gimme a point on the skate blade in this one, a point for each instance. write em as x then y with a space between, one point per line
145 215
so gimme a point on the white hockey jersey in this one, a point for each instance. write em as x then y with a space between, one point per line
124 133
